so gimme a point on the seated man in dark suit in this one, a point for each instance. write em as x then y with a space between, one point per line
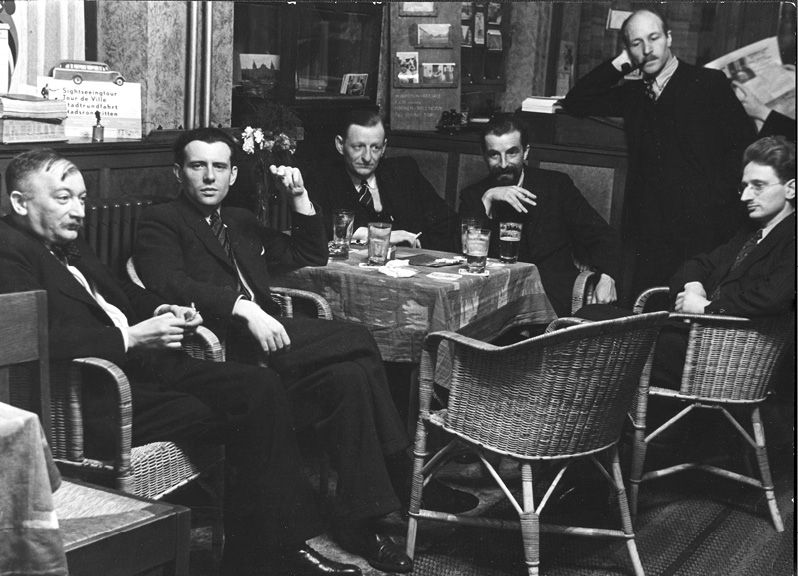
269 506
382 189
195 250
753 275
557 220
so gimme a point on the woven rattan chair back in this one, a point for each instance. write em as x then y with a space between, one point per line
554 396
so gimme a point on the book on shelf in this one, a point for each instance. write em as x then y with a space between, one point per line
20 130
541 104
25 106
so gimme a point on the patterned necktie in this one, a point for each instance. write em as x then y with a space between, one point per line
365 197
67 253
649 84
220 232
749 245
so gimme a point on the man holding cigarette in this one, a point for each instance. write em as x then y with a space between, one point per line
686 132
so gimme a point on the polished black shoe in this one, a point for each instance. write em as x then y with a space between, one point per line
379 551
306 561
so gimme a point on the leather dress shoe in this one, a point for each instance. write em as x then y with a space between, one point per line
305 561
378 550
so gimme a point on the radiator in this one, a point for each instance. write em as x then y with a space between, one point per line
110 230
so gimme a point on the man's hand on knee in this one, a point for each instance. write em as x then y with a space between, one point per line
269 333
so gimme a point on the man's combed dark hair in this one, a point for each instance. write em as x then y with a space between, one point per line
365 117
651 10
208 135
501 124
774 151
27 164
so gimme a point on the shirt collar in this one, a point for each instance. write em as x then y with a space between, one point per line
659 82
371 181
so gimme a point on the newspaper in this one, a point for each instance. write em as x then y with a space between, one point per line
758 67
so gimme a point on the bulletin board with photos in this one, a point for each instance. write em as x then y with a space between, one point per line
484 40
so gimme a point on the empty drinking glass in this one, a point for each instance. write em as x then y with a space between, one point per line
469 222
379 242
343 227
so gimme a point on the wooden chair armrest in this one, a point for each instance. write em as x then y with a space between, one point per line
323 310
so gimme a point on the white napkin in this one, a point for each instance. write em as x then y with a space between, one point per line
397 269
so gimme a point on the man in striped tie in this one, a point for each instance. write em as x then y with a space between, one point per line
753 275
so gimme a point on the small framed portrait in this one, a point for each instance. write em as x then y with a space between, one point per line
431 35
466 10
441 74
417 9
467 35
407 68
494 40
354 84
494 13
479 28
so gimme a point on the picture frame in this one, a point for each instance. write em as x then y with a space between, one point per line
494 41
407 69
354 84
494 13
479 28
418 9
466 35
431 35
439 74
466 10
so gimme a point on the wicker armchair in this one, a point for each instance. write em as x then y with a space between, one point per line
728 366
151 471
555 397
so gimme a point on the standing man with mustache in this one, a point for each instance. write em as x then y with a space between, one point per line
558 223
686 132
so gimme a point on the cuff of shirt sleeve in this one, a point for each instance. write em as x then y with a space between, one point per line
125 339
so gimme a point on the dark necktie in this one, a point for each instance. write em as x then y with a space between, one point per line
221 234
749 245
649 84
67 253
365 197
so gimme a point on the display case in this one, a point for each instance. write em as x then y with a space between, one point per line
312 56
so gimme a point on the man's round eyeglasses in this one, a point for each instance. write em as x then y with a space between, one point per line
757 189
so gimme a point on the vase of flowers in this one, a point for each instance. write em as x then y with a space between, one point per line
268 148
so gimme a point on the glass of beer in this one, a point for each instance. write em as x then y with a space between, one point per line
379 243
509 241
343 227
477 242
469 222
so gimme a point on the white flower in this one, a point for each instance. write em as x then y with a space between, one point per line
259 137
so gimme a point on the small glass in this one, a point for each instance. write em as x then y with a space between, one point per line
469 222
477 242
343 227
379 243
509 241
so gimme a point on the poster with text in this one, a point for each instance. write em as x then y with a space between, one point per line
119 107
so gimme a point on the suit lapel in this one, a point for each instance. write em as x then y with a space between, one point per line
202 230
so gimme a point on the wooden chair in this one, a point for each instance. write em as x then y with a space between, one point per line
556 397
728 366
151 471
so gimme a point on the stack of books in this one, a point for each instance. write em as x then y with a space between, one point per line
542 104
26 118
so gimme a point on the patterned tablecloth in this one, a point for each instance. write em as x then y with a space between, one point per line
400 312
30 541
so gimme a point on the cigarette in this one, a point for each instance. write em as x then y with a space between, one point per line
194 308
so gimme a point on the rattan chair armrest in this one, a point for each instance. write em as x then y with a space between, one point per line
713 319
640 303
124 414
584 288
566 322
130 267
203 344
323 310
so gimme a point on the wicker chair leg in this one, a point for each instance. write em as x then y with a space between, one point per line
764 468
417 486
639 449
626 519
530 531
216 482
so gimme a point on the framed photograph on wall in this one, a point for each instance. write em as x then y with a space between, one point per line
494 13
407 68
494 40
354 84
417 9
467 35
431 35
439 74
479 28
466 10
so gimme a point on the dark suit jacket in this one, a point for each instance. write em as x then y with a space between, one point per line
777 124
78 326
408 199
685 151
562 224
178 256
762 285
